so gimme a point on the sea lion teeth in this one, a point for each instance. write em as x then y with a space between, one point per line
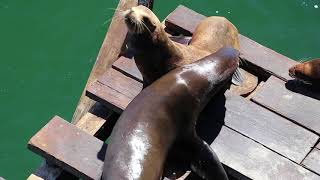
160 121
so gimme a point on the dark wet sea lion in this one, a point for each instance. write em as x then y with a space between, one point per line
163 116
308 72
155 54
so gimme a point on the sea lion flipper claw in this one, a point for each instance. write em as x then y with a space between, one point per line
237 77
205 162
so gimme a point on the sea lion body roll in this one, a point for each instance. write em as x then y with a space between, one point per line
163 116
155 54
308 72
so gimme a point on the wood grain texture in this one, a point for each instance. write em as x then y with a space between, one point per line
301 109
254 160
312 161
91 123
67 146
108 53
116 91
267 128
184 21
129 68
70 148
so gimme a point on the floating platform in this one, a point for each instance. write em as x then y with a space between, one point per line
266 129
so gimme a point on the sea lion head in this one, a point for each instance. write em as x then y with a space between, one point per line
141 19
301 72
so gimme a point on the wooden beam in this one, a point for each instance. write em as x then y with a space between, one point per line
81 154
312 161
260 59
108 53
116 91
297 107
70 148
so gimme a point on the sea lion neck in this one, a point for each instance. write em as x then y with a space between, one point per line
155 54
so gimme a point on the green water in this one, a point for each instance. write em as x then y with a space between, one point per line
47 49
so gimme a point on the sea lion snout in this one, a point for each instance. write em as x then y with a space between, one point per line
292 72
140 20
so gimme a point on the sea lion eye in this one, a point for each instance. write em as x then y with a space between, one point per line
146 20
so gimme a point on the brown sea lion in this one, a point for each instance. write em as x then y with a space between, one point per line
155 54
163 118
308 72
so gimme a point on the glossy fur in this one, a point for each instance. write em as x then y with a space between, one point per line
308 72
163 115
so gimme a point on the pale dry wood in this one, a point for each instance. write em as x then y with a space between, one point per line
108 53
299 108
312 161
255 90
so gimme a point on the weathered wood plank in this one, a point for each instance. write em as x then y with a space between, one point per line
254 160
129 68
312 161
82 154
114 90
108 53
70 148
265 127
117 90
299 108
90 123
184 20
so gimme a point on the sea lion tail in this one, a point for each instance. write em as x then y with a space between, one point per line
237 77
205 162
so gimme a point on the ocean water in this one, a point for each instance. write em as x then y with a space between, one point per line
47 49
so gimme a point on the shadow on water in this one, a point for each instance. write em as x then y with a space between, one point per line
299 87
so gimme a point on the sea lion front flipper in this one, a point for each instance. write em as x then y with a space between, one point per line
237 77
206 163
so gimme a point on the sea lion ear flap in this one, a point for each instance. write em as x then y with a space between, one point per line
237 77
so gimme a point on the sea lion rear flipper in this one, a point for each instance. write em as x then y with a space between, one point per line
237 77
205 162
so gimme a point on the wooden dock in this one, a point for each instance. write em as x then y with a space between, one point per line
265 129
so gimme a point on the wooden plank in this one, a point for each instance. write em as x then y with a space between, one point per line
129 68
265 127
312 161
184 20
67 146
254 160
89 123
108 53
116 91
299 108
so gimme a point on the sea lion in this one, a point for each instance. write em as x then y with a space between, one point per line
163 116
155 54
307 72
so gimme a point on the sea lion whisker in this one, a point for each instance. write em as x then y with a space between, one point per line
145 26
